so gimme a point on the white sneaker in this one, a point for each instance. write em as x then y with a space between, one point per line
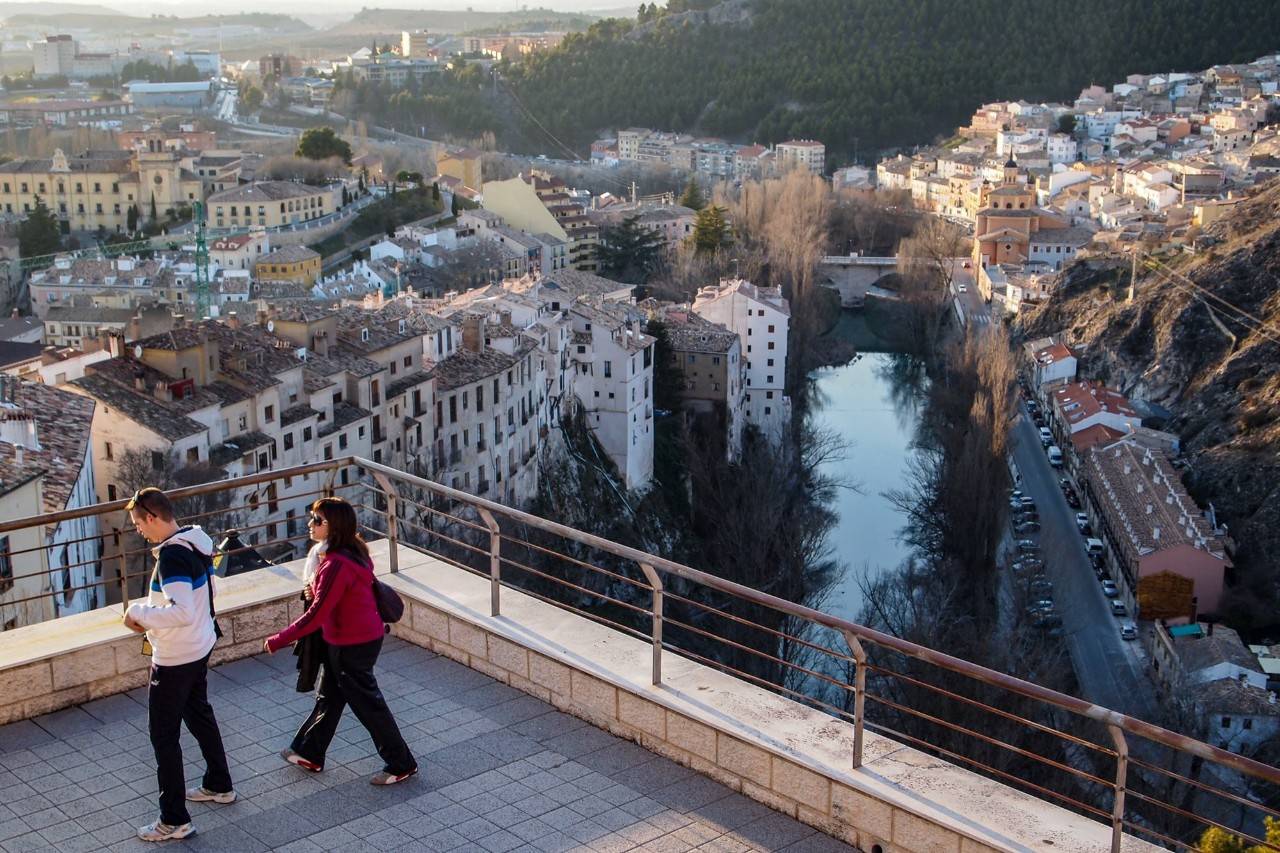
204 795
161 831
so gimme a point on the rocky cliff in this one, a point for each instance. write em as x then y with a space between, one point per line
1211 356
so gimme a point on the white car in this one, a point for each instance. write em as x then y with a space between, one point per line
964 288
1046 437
1128 631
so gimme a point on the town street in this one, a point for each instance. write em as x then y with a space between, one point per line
1111 671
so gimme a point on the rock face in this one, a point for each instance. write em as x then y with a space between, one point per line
1184 344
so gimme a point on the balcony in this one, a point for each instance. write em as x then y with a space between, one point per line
713 742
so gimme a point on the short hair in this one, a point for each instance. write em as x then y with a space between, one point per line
152 501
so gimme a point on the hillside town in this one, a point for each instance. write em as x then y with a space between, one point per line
198 312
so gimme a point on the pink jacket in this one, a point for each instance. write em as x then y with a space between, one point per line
344 609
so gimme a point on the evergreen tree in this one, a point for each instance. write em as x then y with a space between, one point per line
455 207
628 251
435 193
132 218
692 197
1067 123
321 143
154 215
39 234
710 230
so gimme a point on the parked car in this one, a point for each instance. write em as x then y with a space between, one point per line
1026 514
1046 437
1042 605
1082 523
1128 631
1026 564
1118 608
1110 590
1027 527
1094 546
1032 406
1040 586
1072 500
964 288
1055 455
1064 483
1028 546
1016 495
1038 420
1027 501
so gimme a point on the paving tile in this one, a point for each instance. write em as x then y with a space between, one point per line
773 832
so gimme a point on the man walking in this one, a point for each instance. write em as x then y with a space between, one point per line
178 619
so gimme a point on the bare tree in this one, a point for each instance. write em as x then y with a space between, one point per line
469 266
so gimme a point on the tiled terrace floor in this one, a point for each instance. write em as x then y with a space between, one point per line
500 771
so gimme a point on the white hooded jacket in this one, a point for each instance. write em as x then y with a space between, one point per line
176 615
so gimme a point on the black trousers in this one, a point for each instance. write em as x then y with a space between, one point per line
180 694
348 680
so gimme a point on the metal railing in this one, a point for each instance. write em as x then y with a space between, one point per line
1136 777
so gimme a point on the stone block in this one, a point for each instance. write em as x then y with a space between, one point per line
826 824
770 798
19 683
918 835
469 638
526 686
429 621
257 623
495 672
595 696
10 713
866 813
667 750
551 674
691 736
744 759
83 666
55 701
129 656
802 785
118 683
451 652
646 716
508 655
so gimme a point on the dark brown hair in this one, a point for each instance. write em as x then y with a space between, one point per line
152 501
344 528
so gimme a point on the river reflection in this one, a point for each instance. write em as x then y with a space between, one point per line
874 405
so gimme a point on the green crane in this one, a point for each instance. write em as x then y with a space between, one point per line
202 264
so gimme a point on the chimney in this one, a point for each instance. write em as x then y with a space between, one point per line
1155 533
140 383
262 316
473 334
135 327
232 320
179 321
161 391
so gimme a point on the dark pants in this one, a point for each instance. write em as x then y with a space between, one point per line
179 694
348 680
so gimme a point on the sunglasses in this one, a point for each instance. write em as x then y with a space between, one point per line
316 519
138 502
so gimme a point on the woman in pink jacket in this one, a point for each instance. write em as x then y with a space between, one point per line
344 611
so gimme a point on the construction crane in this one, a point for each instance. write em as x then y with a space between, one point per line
202 263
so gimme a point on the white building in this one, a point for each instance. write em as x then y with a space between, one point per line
761 318
46 454
54 56
614 384
805 154
1062 148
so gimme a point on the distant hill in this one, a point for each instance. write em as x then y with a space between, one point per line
459 21
883 73
47 9
107 21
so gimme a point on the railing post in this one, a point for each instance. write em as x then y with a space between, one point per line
1122 770
495 560
124 577
859 693
393 520
655 582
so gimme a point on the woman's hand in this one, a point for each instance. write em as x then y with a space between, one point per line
266 647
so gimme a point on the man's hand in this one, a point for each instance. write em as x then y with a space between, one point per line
266 647
132 625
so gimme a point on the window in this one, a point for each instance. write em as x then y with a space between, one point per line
1247 723
1226 721
107 451
770 364
111 491
6 565
157 460
288 441
244 422
306 433
771 328
770 344
479 398
342 441
608 368
269 414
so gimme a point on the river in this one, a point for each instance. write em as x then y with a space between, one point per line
873 405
